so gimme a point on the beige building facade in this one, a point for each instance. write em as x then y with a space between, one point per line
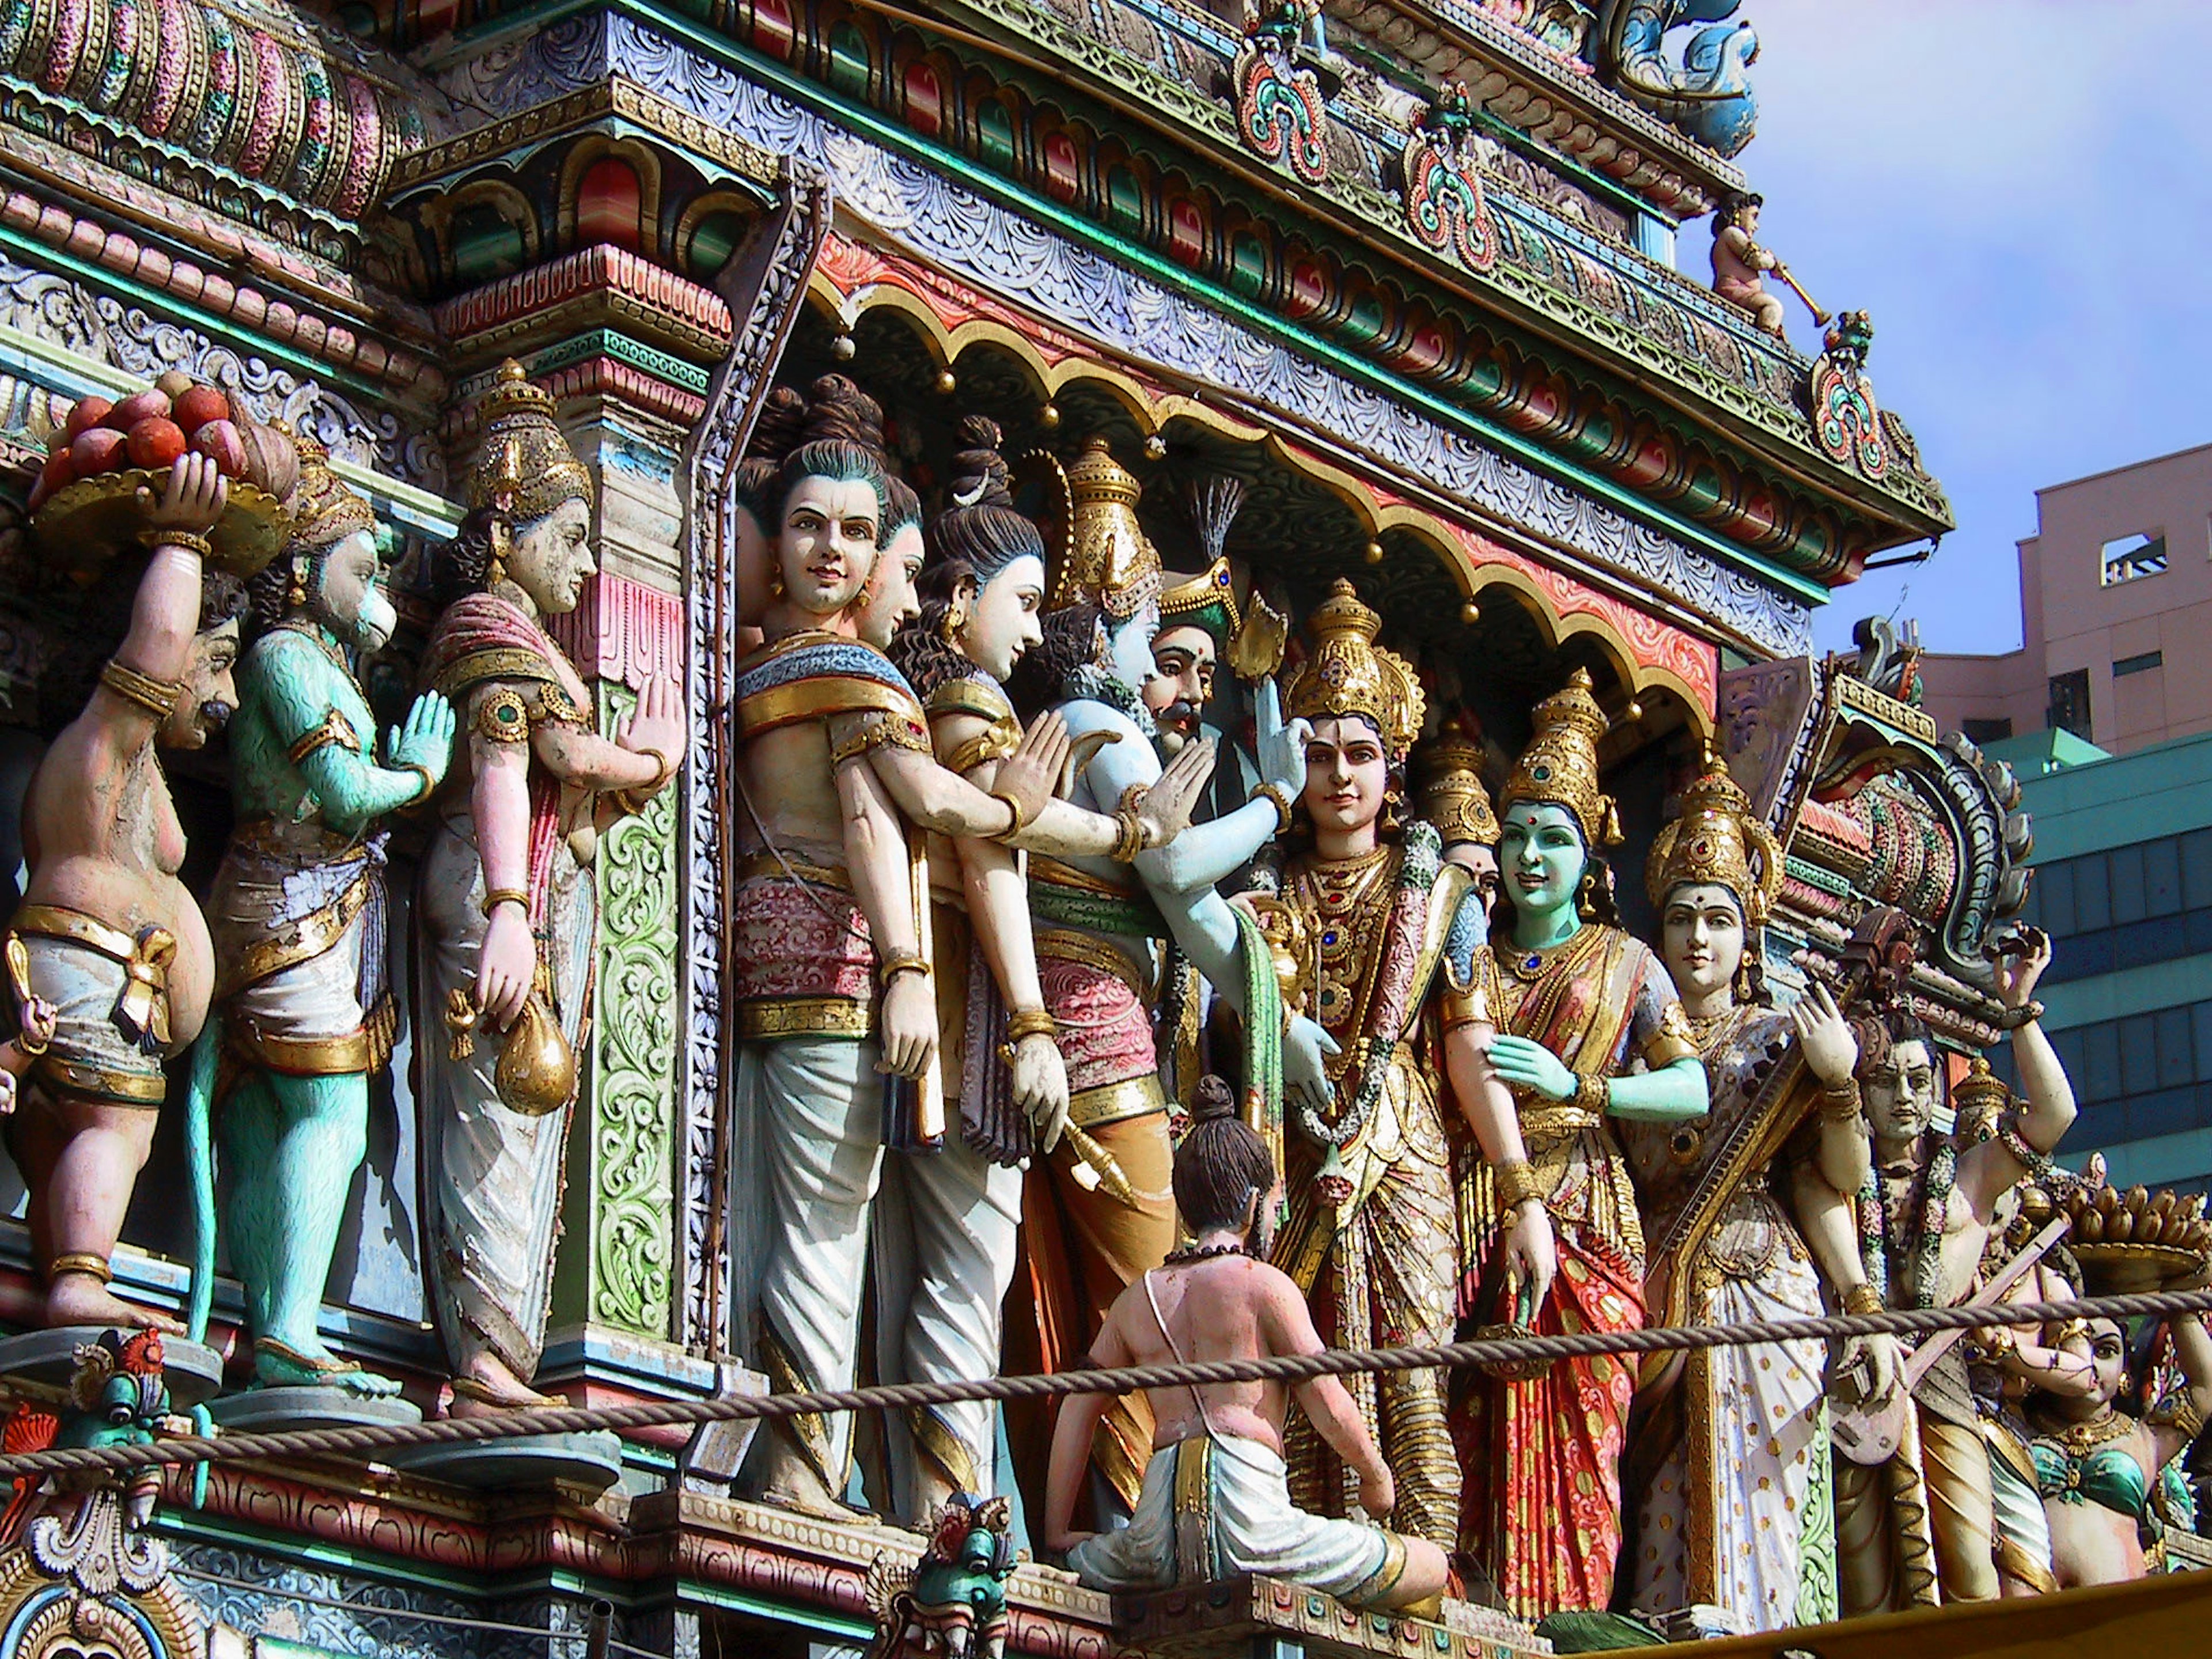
2115 612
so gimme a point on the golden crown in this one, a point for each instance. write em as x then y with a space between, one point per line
1447 784
1559 766
1978 1099
325 509
1347 673
1110 560
524 468
1207 600
1717 838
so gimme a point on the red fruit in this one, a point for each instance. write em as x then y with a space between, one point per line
174 382
156 442
57 473
219 441
89 413
148 405
99 450
198 406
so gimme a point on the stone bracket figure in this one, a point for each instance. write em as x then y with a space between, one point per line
303 1016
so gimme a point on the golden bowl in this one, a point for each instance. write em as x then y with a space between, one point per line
85 525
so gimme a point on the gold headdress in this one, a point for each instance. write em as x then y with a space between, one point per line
1110 560
1719 839
1559 766
1977 1101
1448 784
1207 600
326 510
524 468
1349 674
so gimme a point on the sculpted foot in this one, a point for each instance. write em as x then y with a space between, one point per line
82 1299
278 1364
789 1482
488 1388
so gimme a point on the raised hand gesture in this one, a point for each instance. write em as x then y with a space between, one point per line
424 739
1280 749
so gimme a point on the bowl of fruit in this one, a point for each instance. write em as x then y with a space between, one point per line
85 506
2137 1240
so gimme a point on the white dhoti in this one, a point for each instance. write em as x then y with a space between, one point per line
945 1224
817 1108
1215 1506
298 919
2023 1540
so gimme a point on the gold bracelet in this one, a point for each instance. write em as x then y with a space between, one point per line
190 541
1863 1299
429 783
1012 805
87 1262
157 697
1030 1022
1279 801
1128 837
1841 1102
2188 1422
890 966
1591 1093
496 896
1517 1183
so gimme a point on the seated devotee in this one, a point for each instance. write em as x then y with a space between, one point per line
1216 1501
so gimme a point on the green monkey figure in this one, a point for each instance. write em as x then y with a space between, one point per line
302 1015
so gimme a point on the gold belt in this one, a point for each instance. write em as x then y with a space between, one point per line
1111 1102
1051 870
142 1009
103 1082
765 1019
1064 946
752 865
1556 1122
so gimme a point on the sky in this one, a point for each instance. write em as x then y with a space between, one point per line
2020 193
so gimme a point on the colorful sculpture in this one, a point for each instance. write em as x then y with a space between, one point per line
1913 1236
1095 922
1708 94
108 954
1391 939
953 1601
1729 1452
507 916
1447 774
1217 1499
117 1398
1581 999
303 1016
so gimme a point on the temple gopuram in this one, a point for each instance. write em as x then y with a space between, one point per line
1366 312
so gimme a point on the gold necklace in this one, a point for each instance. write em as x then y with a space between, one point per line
1532 964
2081 1438
1711 1032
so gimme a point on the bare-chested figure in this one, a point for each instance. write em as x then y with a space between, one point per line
108 955
1739 262
1216 1499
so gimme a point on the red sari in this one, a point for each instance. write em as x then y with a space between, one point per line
1539 1510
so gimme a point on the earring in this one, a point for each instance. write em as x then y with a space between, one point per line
295 597
501 545
1585 906
954 619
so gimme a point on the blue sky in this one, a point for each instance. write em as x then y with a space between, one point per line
2021 192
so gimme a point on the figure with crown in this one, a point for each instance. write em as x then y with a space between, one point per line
507 914
303 1016
1388 950
1098 922
1591 1032
1728 1466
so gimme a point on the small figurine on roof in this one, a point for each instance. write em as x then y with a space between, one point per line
1738 263
953 1601
117 1398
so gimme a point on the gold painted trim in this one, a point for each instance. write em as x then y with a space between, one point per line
765 1019
345 1055
139 1092
753 866
298 941
1114 1102
1063 944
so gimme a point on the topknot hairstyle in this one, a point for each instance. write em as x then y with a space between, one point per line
1222 1166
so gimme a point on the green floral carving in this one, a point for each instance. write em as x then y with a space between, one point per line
633 1104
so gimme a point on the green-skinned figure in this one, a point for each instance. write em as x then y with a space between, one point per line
303 1015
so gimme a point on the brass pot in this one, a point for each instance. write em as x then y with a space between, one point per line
537 1072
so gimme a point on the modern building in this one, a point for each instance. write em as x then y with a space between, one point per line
2124 885
2115 599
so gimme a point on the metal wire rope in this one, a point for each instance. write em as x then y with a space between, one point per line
1290 1368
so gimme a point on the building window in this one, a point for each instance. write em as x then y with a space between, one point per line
2142 665
2130 558
2069 703
1984 732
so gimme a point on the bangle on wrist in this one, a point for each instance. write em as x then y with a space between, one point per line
1016 818
496 896
427 783
163 536
1591 1093
1279 801
639 796
1030 1022
1840 1102
1128 835
895 962
1863 1299
2027 1014
1517 1183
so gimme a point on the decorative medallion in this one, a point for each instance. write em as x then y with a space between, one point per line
1281 109
1846 424
1444 209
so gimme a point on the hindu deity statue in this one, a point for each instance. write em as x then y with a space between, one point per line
1729 1457
1097 924
2099 1466
1918 1525
298 914
1739 262
1583 1002
837 788
507 916
108 954
1446 772
945 1220
1392 957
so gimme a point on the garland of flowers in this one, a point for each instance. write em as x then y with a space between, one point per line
1417 874
1933 1184
1097 684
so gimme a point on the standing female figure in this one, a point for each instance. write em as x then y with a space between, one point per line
1582 1001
